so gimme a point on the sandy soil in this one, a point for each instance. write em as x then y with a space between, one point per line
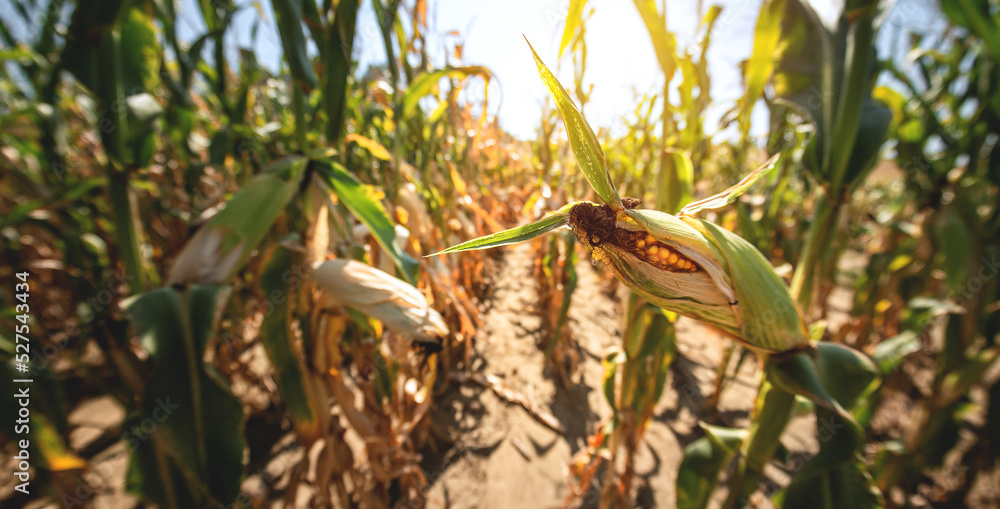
506 458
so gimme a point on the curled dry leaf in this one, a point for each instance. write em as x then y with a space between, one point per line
397 304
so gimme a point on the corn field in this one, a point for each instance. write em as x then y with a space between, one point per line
310 277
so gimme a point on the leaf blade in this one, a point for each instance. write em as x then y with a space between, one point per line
358 199
225 243
586 148
664 42
573 19
424 84
729 195
288 17
511 236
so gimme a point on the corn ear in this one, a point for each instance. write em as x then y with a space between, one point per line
697 269
397 304
678 262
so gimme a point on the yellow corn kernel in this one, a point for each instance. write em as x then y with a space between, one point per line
652 250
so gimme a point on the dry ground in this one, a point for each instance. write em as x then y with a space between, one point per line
506 458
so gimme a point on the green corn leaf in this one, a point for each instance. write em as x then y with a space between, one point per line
20 212
873 126
225 242
279 281
288 17
512 236
730 195
890 352
569 286
140 53
17 55
774 408
957 384
953 238
425 83
360 200
582 139
798 374
83 50
207 8
612 361
664 43
676 184
761 63
803 74
848 374
339 43
941 432
976 17
847 485
854 135
835 378
657 352
194 455
703 461
850 377
573 19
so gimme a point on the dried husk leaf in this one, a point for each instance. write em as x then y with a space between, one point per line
397 304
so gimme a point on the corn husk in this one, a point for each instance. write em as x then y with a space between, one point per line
734 287
397 304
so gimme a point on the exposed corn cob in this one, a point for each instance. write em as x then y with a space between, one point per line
696 269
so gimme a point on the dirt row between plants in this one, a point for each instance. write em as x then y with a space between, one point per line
505 457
